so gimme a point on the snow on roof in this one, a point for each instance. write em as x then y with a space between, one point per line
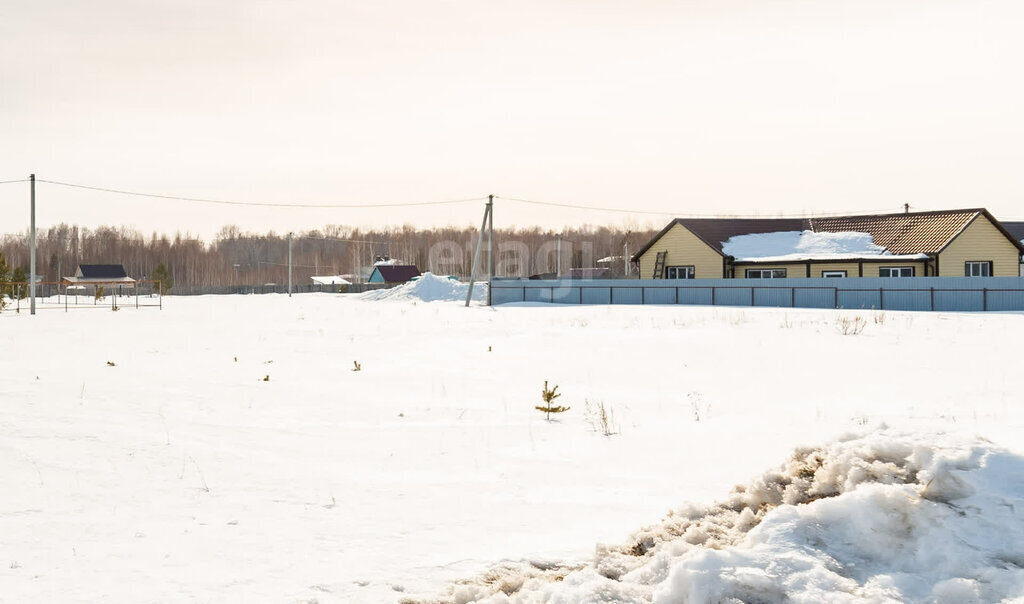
331 280
807 245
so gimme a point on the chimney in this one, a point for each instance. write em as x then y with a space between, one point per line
906 208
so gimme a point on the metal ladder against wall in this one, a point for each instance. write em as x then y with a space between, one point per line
659 265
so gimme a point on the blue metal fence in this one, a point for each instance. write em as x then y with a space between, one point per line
908 293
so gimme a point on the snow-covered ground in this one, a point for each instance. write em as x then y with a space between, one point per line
223 449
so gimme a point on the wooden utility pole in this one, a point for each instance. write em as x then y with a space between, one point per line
289 265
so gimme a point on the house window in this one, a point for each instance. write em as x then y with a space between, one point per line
679 272
896 271
766 273
978 269
833 274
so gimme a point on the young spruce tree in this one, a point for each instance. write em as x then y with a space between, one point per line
549 406
161 274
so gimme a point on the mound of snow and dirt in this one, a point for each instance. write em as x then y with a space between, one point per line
883 517
428 288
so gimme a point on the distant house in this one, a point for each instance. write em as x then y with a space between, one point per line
953 243
393 273
106 275
331 280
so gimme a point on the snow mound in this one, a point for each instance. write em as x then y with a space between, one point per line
800 244
428 288
883 517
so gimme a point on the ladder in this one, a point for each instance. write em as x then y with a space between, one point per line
659 265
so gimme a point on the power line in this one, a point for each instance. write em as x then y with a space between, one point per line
581 207
685 215
253 203
6 182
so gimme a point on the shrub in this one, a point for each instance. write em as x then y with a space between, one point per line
549 395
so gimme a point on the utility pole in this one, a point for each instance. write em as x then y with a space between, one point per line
479 246
558 264
289 265
490 245
32 245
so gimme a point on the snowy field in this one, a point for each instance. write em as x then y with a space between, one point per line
224 450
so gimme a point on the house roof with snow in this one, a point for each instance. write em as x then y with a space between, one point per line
902 234
330 280
393 273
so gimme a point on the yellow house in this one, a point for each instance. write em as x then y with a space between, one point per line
949 243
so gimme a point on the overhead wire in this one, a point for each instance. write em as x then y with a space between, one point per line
259 204
683 214
6 182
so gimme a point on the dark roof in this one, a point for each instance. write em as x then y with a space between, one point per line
715 231
1016 229
102 271
397 273
903 233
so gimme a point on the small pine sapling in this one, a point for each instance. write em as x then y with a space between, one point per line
549 395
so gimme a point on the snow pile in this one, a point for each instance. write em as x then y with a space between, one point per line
428 288
800 245
883 517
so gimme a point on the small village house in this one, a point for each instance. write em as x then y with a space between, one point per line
967 242
112 277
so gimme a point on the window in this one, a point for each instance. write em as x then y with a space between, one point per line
978 269
679 272
896 271
833 274
766 273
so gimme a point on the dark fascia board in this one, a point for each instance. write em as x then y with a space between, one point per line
636 257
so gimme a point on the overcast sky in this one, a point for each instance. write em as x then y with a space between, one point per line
700 107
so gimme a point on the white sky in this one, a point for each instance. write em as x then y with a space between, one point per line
681 107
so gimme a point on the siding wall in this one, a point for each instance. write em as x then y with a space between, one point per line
792 270
684 249
871 268
849 267
980 241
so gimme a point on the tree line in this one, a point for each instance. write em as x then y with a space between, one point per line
235 257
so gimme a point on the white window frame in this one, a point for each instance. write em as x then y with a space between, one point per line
900 270
688 272
833 274
765 273
970 265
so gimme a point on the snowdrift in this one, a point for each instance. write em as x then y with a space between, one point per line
428 288
881 517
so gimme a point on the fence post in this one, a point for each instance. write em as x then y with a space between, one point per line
931 297
712 295
835 297
751 295
792 297
984 298
881 298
